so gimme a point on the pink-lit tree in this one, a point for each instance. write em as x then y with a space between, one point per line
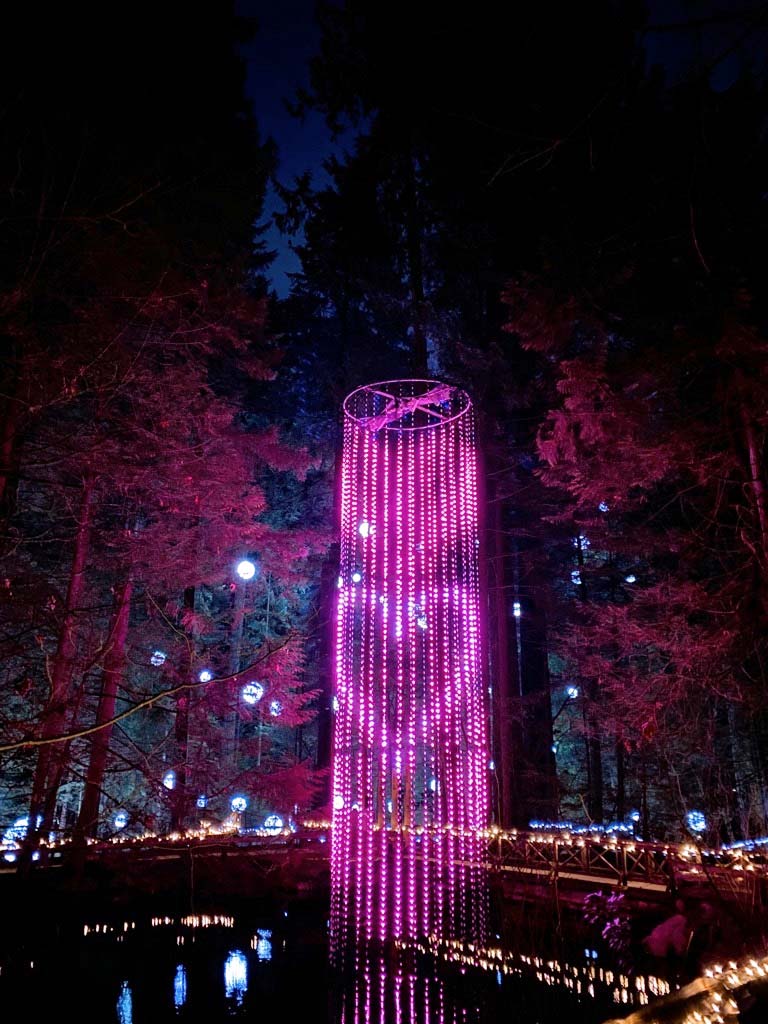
411 756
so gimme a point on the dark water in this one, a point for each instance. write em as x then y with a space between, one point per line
239 964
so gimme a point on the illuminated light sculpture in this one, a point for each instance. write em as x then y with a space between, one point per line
411 751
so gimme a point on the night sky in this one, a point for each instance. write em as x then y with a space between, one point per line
689 36
277 64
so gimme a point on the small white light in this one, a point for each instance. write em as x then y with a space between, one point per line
252 693
581 542
157 658
205 676
573 692
169 779
516 610
432 786
357 576
553 748
603 506
202 801
238 804
631 578
366 529
121 819
335 703
338 803
635 816
576 577
340 582
491 766
246 570
421 622
275 708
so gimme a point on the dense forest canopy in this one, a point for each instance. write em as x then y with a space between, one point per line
531 209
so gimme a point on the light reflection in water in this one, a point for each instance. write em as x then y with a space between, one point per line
262 943
125 1005
396 989
180 986
236 976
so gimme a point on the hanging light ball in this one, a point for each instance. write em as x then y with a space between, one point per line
252 693
246 569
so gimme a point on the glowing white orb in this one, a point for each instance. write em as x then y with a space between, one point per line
631 578
202 801
357 576
246 570
696 821
252 693
573 692
169 779
366 529
275 708
238 804
273 824
157 658
121 819
338 802
516 610
205 676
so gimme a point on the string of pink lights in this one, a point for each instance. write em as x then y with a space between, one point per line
411 756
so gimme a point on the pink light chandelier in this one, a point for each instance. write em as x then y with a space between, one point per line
411 756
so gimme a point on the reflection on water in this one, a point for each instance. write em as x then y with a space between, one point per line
396 989
180 986
262 943
236 976
132 972
125 1004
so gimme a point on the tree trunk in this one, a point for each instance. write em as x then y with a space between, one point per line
181 734
114 661
621 797
51 756
8 455
756 478
414 240
501 672
593 746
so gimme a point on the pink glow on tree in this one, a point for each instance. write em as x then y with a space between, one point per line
410 794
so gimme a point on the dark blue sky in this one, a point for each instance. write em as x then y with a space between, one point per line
691 34
276 62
